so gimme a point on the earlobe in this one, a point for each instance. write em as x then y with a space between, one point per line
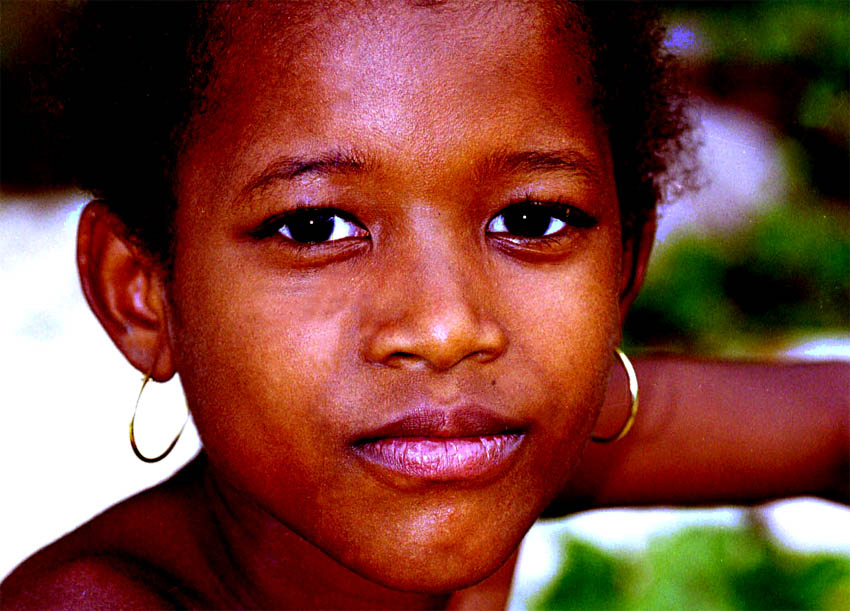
125 289
636 253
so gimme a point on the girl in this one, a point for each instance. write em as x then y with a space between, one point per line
388 247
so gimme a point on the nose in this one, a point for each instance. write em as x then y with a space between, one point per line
434 311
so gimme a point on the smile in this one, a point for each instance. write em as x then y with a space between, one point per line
466 444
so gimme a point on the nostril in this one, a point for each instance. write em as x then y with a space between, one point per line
405 360
434 336
484 356
436 362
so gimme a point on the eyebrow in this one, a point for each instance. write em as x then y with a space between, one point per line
500 162
324 164
568 160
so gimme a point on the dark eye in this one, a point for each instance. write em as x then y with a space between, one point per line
314 226
538 219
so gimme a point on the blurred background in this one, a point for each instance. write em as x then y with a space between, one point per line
756 264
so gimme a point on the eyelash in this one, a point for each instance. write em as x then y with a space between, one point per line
568 215
274 226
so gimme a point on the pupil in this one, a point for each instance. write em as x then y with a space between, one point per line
311 227
527 221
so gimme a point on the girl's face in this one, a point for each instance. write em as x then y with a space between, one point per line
397 277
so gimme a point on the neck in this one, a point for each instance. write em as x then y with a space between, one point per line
262 563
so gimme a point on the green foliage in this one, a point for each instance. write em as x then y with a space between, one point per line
699 568
590 579
774 31
788 274
751 287
788 271
810 37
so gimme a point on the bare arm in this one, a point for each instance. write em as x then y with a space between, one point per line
721 432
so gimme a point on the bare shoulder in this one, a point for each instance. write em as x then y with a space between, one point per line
95 581
145 552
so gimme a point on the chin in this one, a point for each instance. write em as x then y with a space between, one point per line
442 556
431 575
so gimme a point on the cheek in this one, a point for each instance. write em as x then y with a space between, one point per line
257 363
565 319
564 325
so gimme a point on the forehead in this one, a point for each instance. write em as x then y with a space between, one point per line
391 72
284 27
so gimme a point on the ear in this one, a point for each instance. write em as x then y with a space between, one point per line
636 251
125 289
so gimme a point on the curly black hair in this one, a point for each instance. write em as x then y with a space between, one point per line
135 74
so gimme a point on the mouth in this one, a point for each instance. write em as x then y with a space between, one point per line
442 446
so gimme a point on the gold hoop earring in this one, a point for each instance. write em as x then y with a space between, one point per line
136 451
633 409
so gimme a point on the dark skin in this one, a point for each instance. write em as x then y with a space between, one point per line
723 432
423 154
155 550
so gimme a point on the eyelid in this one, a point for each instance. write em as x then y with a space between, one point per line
503 228
273 226
286 232
566 213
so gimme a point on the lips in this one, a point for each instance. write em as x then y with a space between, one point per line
436 445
